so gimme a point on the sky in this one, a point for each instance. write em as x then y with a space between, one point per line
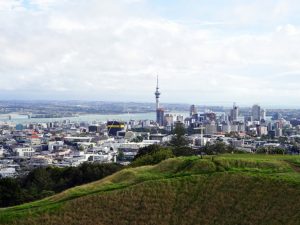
212 52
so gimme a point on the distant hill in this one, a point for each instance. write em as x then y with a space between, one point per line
226 189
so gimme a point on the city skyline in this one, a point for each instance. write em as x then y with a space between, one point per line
212 53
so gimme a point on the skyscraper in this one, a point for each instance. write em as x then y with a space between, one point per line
234 113
160 116
263 114
256 114
193 110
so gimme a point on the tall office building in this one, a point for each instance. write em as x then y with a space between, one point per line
234 113
169 120
210 128
277 116
160 116
278 132
193 110
263 114
256 113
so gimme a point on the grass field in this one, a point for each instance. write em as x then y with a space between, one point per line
224 189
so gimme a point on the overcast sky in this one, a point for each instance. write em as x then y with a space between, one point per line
205 52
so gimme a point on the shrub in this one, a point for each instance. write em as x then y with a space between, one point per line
153 157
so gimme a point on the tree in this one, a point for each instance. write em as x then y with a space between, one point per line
295 148
183 151
153 157
271 150
265 137
218 148
120 156
282 140
137 139
11 193
42 182
278 150
262 150
297 139
179 139
147 150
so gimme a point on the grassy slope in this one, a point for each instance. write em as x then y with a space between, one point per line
228 189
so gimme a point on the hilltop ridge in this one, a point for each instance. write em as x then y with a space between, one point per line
225 189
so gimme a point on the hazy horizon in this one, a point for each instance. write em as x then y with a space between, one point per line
225 105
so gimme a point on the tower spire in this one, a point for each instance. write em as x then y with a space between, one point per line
157 94
159 111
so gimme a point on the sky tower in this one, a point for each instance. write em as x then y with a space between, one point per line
159 111
157 94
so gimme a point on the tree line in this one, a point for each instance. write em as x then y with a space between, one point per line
43 182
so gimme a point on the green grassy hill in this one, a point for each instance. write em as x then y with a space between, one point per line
226 189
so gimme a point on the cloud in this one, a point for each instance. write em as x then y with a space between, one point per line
8 5
259 13
100 50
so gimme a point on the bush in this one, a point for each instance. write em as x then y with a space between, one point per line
179 139
147 150
153 157
218 148
183 151
270 150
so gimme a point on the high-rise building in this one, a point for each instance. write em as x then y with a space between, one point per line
169 120
211 128
277 116
278 132
256 114
160 116
263 114
226 128
270 126
234 113
193 110
262 130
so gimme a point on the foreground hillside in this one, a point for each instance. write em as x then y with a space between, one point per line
228 189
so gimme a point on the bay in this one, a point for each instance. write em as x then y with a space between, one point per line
23 119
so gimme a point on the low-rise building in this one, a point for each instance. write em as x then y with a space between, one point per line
55 145
7 172
24 151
